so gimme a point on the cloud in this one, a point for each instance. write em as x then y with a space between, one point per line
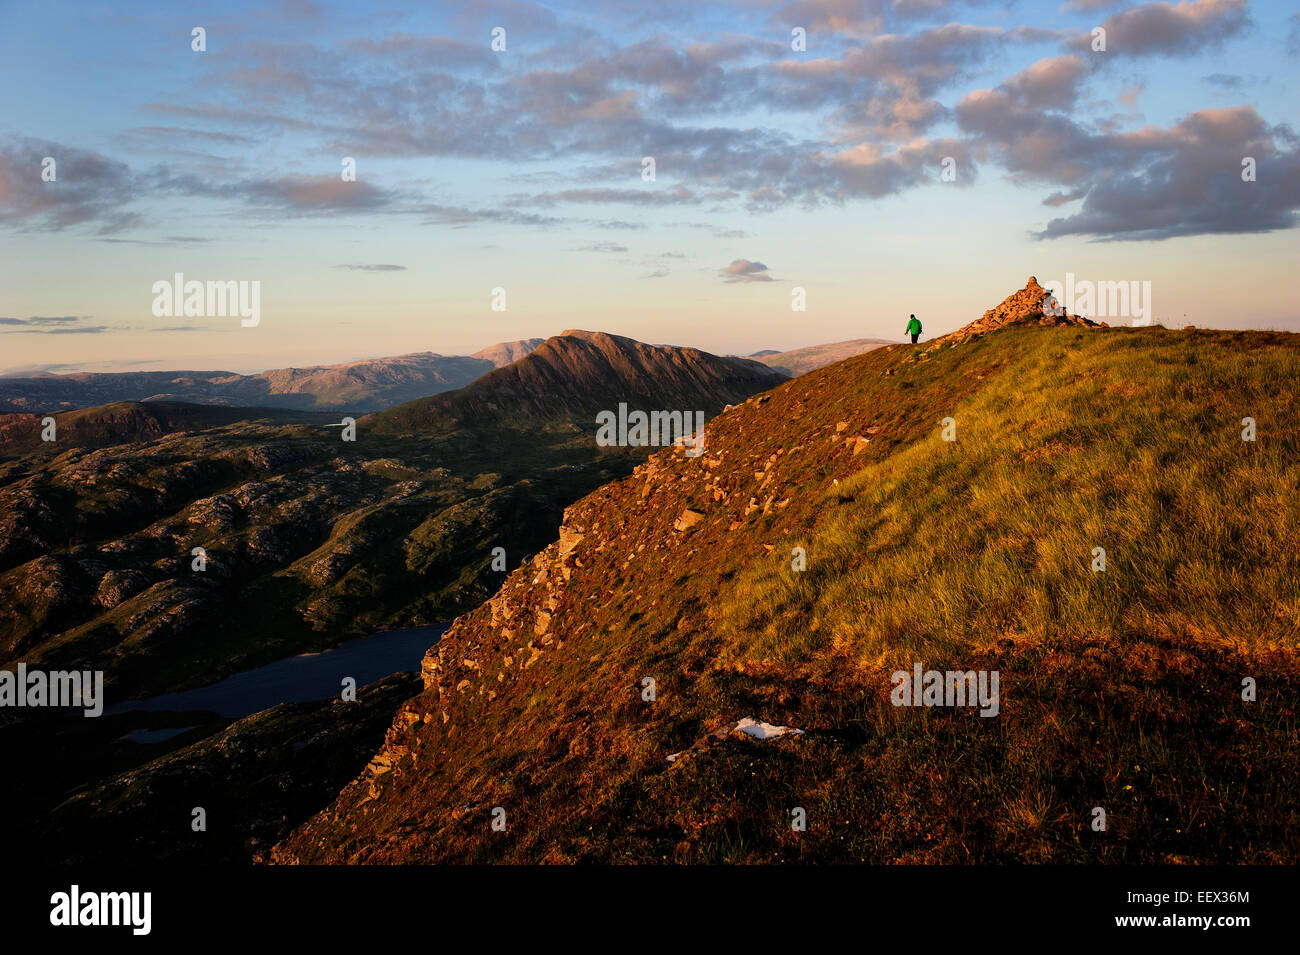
603 247
641 197
1227 81
743 270
1187 181
736 123
1172 30
1062 198
88 188
1129 95
1088 6
51 325
380 267
42 320
1147 183
1051 83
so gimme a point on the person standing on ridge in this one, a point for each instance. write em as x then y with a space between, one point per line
914 329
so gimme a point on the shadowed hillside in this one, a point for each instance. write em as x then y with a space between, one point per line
1121 689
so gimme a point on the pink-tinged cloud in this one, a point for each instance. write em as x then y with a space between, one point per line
743 270
1188 27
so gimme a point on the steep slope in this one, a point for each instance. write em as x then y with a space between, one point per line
358 386
1120 689
800 361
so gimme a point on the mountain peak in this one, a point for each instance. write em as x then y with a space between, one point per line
581 373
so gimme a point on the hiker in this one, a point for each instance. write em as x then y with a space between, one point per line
913 329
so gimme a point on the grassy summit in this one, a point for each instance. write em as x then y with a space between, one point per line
1120 690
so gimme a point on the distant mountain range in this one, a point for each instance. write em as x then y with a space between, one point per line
358 386
800 361
373 384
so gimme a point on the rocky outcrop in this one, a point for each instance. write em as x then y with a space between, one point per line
1024 307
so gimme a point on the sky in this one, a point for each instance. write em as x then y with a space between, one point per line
868 158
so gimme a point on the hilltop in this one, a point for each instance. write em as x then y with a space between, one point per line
1120 689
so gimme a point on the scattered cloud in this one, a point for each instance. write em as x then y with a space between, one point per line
743 270
880 77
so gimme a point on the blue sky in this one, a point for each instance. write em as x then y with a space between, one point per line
521 169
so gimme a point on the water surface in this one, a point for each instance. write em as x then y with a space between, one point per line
297 679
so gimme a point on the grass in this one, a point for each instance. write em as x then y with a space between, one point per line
1132 447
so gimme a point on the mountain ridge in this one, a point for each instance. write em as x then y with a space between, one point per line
576 373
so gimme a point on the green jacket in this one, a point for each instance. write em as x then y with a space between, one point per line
914 326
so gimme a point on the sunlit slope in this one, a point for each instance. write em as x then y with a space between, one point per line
1121 690
1124 441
